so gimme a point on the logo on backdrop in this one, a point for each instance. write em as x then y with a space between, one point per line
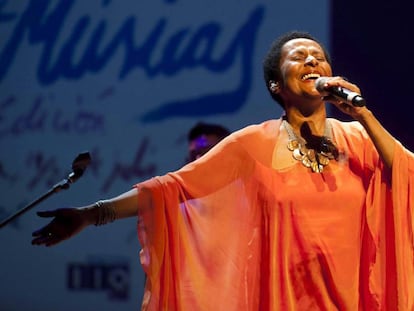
100 274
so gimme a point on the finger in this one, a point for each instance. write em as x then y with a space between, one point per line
53 239
45 231
53 242
329 98
48 239
41 240
46 213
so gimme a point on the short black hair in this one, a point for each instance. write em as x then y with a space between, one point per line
271 62
202 128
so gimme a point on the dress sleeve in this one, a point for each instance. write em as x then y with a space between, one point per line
186 228
388 246
170 224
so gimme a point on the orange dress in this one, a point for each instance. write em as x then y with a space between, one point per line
229 232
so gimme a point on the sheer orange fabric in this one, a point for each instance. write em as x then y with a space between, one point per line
230 232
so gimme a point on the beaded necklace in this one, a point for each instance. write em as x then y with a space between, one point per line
316 154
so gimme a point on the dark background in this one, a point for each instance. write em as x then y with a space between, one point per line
371 46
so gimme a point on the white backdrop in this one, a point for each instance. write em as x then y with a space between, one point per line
124 80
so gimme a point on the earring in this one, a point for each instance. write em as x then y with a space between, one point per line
274 86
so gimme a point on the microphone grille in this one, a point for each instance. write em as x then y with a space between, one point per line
320 84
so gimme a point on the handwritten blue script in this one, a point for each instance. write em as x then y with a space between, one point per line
40 23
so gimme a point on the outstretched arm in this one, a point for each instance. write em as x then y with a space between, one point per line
68 222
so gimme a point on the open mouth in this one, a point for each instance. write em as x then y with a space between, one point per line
311 76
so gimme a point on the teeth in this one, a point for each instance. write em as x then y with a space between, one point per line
311 76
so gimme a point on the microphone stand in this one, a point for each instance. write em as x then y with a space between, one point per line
78 166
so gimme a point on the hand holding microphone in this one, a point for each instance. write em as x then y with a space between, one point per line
339 92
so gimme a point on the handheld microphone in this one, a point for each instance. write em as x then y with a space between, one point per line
340 93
